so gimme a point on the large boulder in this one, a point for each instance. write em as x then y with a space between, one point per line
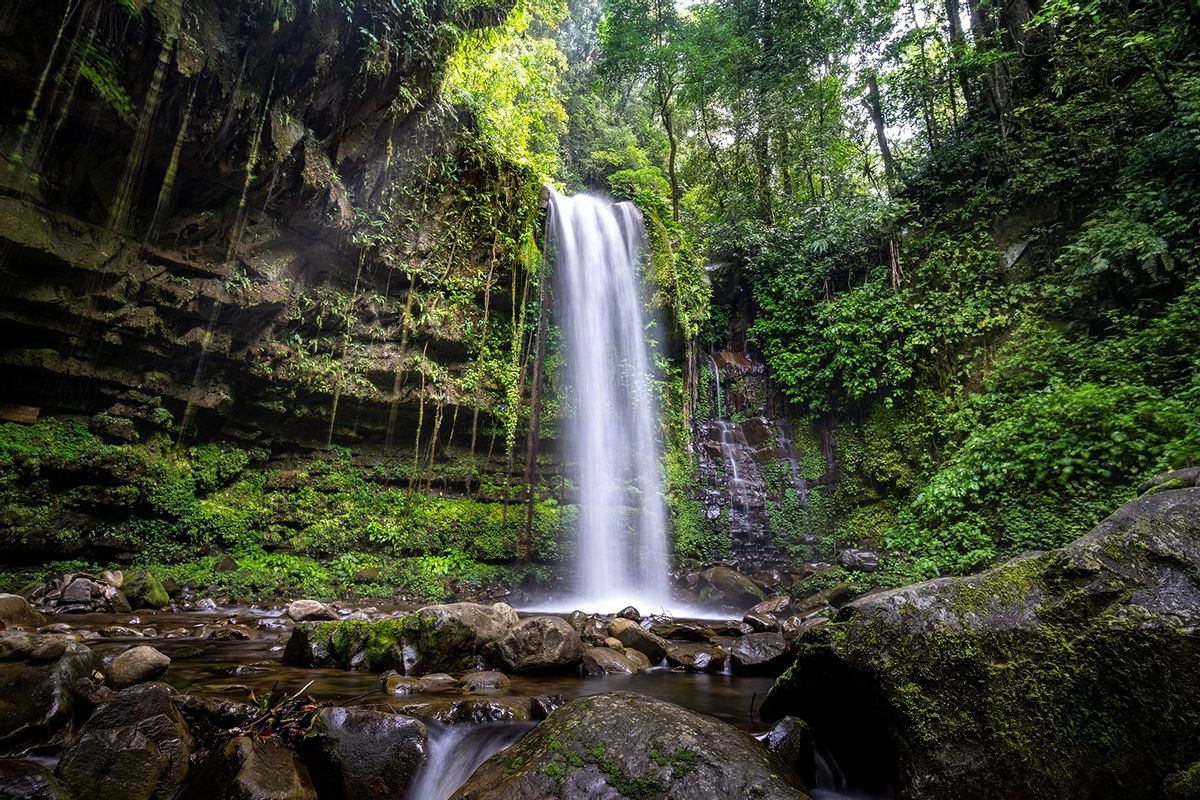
606 661
442 638
1066 674
137 665
359 753
16 611
726 585
537 644
628 745
36 703
251 769
135 747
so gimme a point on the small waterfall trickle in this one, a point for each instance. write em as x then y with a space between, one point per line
614 435
456 751
717 386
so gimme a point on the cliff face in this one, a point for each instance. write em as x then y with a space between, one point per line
253 221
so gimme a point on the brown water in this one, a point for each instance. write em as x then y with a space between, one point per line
236 667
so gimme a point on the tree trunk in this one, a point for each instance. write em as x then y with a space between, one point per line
525 546
958 46
875 109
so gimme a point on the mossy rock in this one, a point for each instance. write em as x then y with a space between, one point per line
1067 674
441 638
623 744
143 590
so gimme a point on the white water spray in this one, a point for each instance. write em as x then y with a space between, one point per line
613 436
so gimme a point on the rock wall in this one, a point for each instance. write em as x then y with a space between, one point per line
248 221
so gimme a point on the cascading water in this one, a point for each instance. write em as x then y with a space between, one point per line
622 554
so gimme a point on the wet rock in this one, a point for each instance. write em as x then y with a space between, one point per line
50 649
446 638
36 701
1075 654
689 631
638 657
402 684
119 632
605 661
310 611
633 635
143 590
761 623
214 712
731 628
696 657
16 611
791 740
248 769
92 695
544 705
137 665
486 681
135 747
760 654
358 753
206 604
772 605
722 584
470 710
25 780
625 744
858 560
537 644
631 613
612 643
438 682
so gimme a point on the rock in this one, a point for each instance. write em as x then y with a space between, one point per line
114 578
544 705
225 564
760 654
630 613
605 661
723 584
1175 479
36 702
486 681
858 560
143 590
537 644
791 740
445 638
81 591
248 769
92 695
613 643
633 635
1069 673
761 623
470 710
16 611
623 744
50 649
310 611
691 631
696 657
637 657
206 604
358 753
137 665
214 712
135 747
402 684
773 605
438 682
25 780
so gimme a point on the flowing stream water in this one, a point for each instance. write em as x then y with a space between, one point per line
622 550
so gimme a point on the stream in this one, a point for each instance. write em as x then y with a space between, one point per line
235 651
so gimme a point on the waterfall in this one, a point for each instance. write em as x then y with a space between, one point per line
613 438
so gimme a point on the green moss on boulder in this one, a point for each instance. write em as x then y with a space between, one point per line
1065 674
